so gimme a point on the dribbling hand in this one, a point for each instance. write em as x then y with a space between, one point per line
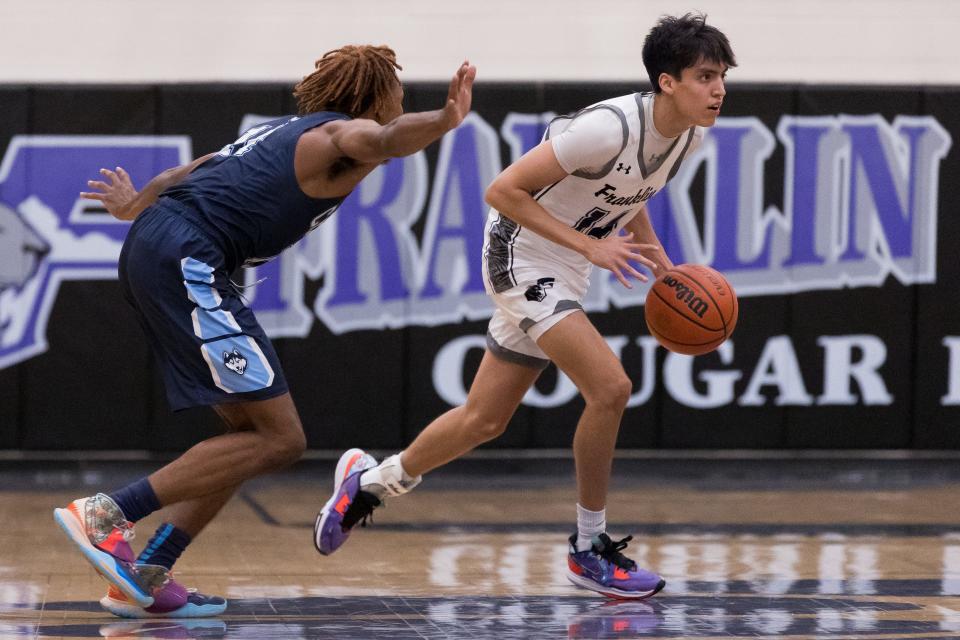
615 252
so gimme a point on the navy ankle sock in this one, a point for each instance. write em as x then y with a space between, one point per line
165 546
136 500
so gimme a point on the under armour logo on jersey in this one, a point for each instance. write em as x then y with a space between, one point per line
235 361
625 169
537 292
655 157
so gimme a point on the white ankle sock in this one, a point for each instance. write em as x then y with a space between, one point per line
388 479
589 524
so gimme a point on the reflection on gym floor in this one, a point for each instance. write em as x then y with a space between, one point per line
825 557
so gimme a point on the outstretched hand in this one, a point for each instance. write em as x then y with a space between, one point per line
460 95
116 196
615 252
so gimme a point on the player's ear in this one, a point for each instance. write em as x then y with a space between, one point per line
666 83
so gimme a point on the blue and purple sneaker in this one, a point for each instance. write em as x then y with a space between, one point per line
348 505
171 600
603 569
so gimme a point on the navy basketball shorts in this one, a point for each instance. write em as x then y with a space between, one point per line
210 347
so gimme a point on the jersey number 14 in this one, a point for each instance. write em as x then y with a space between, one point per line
589 223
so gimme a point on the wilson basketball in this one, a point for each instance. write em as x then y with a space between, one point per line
691 309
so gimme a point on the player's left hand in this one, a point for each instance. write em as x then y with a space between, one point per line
618 253
459 96
116 196
655 254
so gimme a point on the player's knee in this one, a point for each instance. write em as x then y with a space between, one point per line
613 394
485 428
620 392
288 448
296 444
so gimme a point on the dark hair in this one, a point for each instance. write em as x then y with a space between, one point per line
349 80
675 44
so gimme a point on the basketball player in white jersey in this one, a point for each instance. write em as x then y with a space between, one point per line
574 201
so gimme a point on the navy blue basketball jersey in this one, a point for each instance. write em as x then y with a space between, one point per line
247 196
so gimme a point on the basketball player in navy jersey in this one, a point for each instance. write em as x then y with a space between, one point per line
556 213
193 225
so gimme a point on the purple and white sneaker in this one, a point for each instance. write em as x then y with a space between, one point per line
603 569
348 505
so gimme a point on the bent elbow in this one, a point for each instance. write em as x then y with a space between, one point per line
496 195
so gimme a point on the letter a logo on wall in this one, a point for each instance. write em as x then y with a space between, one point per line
48 235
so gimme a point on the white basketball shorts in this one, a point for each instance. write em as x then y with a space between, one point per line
526 312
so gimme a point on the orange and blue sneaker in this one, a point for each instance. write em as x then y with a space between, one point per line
348 505
602 568
98 527
172 600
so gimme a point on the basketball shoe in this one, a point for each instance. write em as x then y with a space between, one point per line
98 527
348 505
172 600
602 568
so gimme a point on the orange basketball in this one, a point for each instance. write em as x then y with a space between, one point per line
691 309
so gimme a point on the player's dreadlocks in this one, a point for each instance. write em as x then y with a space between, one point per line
349 80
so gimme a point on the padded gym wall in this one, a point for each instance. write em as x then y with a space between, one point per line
830 210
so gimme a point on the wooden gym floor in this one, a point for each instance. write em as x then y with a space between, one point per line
753 548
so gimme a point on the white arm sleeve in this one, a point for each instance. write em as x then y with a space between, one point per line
591 140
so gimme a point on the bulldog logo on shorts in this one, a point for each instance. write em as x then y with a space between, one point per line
537 292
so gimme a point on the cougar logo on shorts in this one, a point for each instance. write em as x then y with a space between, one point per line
235 361
537 292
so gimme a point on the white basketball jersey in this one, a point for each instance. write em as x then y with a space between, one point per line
616 161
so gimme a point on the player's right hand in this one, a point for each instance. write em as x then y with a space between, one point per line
116 196
459 96
615 252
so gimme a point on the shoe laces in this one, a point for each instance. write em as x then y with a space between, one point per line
610 551
360 510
